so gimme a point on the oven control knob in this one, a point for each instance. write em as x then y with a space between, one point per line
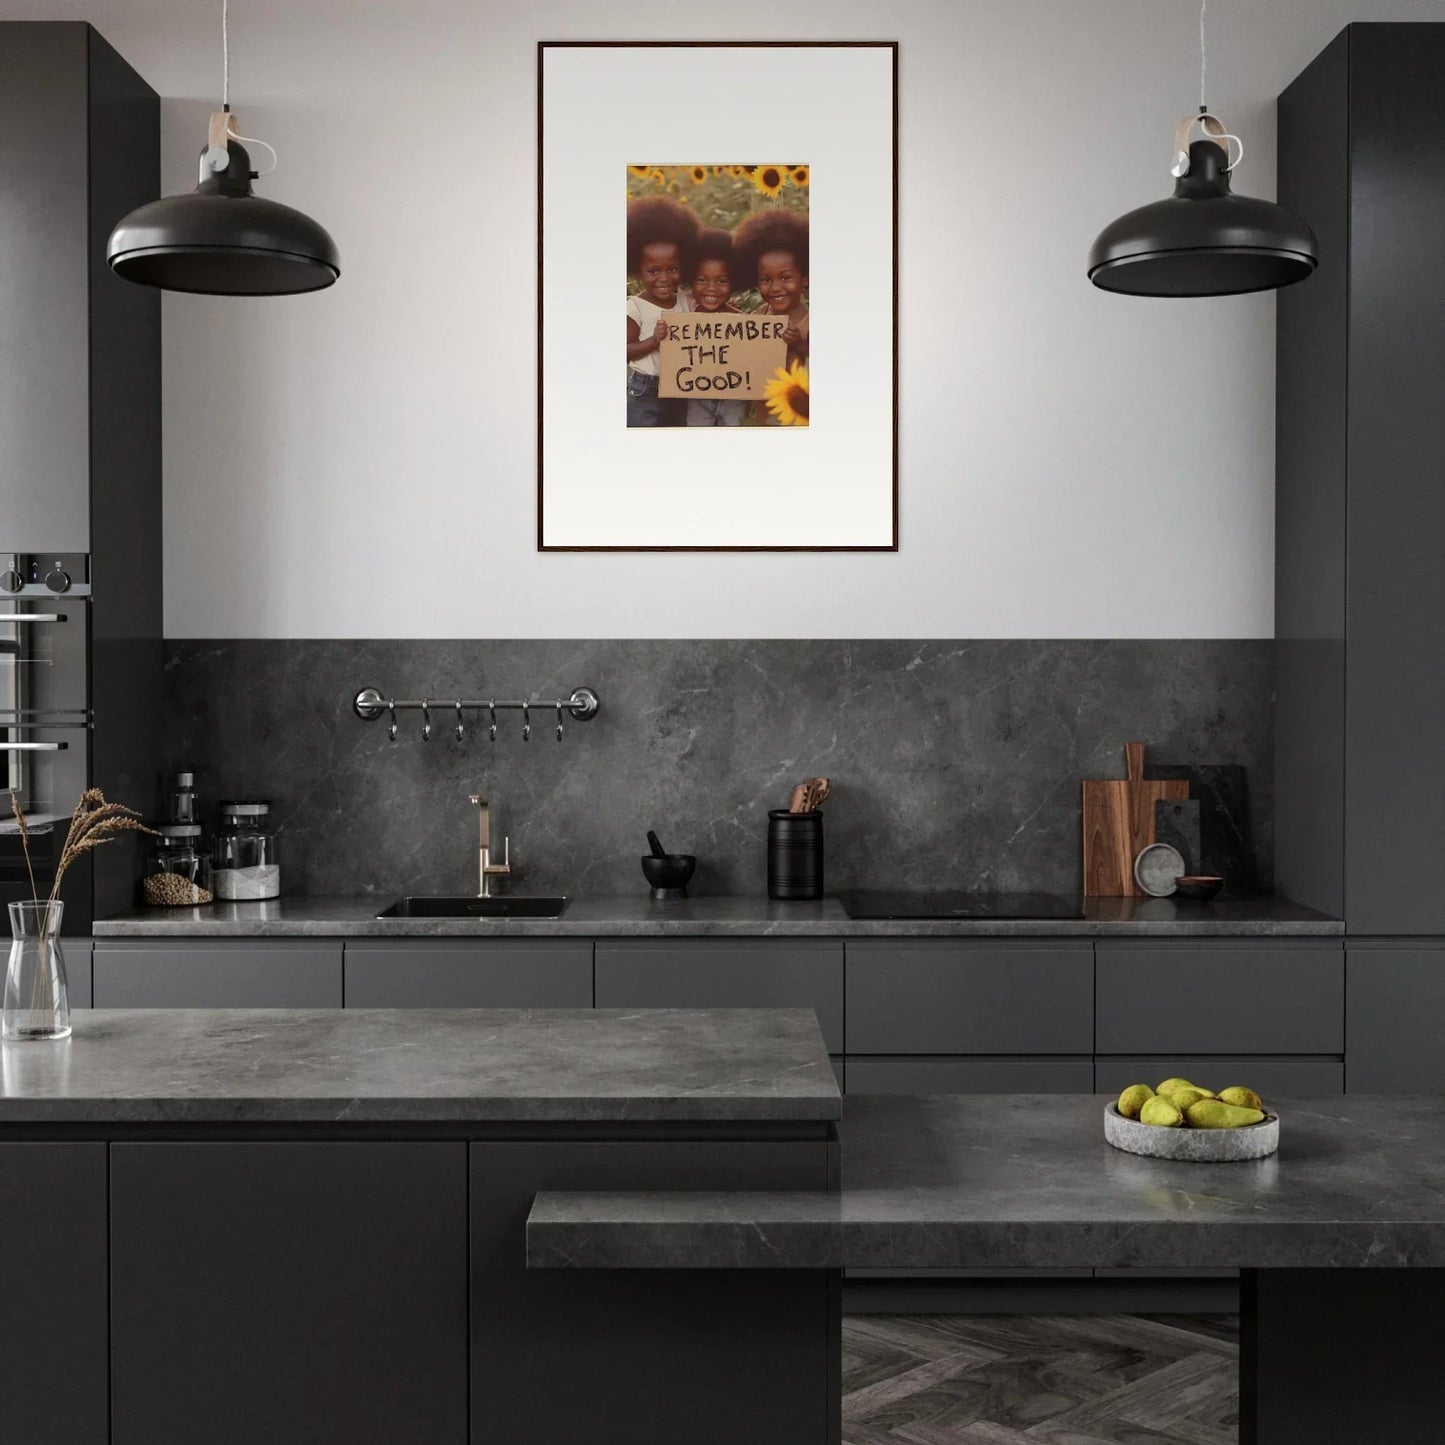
11 581
58 580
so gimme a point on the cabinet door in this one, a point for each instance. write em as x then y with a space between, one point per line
1288 1078
44 293
291 1293
970 1076
261 973
53 1281
1220 998
1396 1019
646 1356
708 973
489 973
952 996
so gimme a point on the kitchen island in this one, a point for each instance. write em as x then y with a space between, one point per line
295 1225
1341 1235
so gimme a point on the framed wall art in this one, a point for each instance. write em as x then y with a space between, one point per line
707 199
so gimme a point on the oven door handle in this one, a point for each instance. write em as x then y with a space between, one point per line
32 617
33 747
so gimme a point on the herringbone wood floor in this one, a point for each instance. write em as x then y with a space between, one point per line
1040 1380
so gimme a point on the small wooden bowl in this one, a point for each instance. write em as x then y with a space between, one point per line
1199 886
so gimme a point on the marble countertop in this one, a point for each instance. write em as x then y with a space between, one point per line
961 1181
420 1066
637 916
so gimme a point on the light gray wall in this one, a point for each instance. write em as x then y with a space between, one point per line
322 451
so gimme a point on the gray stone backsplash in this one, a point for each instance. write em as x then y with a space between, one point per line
953 764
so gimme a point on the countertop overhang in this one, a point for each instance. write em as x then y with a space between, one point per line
637 916
962 1181
423 1066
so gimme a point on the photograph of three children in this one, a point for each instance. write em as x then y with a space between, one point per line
717 295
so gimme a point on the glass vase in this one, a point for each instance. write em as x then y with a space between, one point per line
37 1000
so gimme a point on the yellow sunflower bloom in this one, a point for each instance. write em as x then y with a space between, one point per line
643 171
769 179
698 174
798 175
786 395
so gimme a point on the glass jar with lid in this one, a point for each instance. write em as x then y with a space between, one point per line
247 865
178 870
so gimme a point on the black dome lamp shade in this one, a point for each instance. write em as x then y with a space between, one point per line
222 239
1203 240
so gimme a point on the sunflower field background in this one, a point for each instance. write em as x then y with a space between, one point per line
722 195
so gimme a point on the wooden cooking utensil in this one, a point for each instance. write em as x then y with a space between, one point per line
1119 823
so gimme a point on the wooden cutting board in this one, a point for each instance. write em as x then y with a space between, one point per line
1119 822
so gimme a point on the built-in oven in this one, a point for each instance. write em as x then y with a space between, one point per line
45 713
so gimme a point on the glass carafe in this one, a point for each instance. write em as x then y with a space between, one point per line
37 1000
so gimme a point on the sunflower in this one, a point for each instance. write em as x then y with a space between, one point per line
798 175
698 174
769 179
786 395
643 171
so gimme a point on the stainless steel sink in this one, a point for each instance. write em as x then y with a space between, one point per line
474 907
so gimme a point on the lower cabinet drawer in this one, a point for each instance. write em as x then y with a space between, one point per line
703 973
952 996
1219 998
969 1076
263 973
1290 1078
491 973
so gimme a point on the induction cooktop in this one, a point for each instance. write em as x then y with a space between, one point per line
865 904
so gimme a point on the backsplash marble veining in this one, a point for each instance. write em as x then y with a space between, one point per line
953 764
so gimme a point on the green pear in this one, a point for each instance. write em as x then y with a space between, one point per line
1215 1114
1160 1111
1133 1099
1239 1095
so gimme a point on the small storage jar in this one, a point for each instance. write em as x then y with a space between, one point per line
178 870
247 865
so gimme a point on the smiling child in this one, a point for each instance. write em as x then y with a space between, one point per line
661 249
712 290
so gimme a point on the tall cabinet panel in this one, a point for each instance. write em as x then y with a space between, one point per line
1360 603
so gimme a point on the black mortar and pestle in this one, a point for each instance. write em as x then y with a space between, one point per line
667 872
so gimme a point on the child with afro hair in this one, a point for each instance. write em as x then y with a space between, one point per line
712 290
770 251
661 248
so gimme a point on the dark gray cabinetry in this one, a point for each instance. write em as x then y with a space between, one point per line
1219 998
53 1326
924 1075
1360 512
708 973
1395 1018
293 1293
239 973
950 996
460 973
557 1354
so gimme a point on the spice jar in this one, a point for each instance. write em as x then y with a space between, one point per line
178 870
247 866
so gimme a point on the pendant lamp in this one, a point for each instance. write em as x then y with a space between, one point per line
222 239
1203 240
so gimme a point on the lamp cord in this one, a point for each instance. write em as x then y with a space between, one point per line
1203 56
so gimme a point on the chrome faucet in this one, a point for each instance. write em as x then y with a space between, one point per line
486 869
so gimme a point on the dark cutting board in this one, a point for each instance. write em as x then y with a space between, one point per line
1226 839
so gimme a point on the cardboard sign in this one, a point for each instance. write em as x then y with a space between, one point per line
720 355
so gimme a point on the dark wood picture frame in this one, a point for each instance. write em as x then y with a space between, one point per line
542 47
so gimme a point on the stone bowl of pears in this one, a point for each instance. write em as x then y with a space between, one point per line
1181 1120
